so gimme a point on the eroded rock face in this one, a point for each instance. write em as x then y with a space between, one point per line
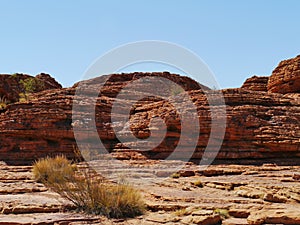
34 129
43 126
49 82
256 83
10 86
259 128
286 77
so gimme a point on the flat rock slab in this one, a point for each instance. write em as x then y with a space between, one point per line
235 221
46 218
14 187
33 202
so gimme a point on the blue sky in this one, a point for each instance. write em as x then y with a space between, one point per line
235 38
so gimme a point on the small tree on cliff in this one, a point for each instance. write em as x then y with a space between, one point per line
30 85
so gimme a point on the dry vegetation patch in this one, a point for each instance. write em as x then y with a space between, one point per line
88 192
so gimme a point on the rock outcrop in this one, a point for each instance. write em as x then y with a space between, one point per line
43 125
260 127
48 81
286 77
37 128
11 86
256 83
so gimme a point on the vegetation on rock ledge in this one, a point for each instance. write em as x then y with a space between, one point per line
30 85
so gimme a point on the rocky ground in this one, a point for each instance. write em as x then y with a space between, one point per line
219 194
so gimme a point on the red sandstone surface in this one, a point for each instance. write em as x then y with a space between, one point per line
220 194
261 126
286 77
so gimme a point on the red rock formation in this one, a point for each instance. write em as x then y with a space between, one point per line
286 77
256 83
49 82
34 129
259 127
43 126
10 86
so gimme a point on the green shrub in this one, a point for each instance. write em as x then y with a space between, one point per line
14 75
32 84
92 194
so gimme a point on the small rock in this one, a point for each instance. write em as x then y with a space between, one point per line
162 218
187 220
187 173
296 176
162 173
186 188
206 220
239 213
274 198
202 212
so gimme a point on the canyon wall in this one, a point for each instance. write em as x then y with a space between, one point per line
262 119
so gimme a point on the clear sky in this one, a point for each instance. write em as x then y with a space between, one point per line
236 38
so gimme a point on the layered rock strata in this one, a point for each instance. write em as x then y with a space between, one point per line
260 126
286 77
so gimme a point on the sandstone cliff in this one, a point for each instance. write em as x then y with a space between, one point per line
263 124
286 77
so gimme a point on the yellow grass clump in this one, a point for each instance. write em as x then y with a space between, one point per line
88 192
53 170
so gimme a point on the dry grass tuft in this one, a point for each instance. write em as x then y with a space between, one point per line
182 212
222 212
53 170
198 183
175 175
88 192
